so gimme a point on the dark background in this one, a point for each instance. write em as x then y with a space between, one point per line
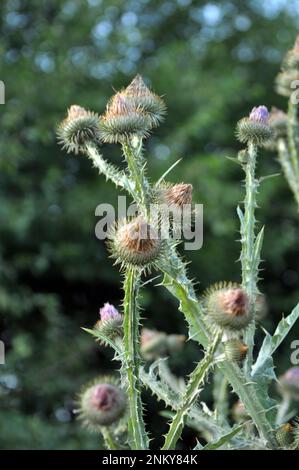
212 62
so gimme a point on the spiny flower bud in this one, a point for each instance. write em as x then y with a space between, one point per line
122 120
284 435
228 306
289 382
235 350
110 324
178 194
78 128
141 96
255 128
102 403
286 82
136 243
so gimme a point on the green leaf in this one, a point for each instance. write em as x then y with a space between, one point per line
223 439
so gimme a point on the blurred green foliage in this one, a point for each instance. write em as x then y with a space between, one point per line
212 61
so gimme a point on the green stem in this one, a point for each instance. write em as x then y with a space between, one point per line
132 150
220 395
197 378
112 173
249 273
248 396
109 441
286 164
137 434
293 136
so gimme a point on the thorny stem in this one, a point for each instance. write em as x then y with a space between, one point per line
220 395
137 434
293 136
109 441
177 282
196 379
249 274
286 164
132 150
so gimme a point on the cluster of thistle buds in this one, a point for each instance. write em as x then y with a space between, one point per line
133 111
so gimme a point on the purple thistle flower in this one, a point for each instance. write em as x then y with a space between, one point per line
259 114
109 312
292 375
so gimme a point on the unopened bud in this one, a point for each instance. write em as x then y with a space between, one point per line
78 128
122 120
228 306
235 350
102 404
136 243
142 97
110 324
284 435
255 128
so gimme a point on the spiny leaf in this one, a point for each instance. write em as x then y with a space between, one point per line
224 439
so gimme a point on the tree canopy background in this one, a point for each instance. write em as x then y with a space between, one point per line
212 61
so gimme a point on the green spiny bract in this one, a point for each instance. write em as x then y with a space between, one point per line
142 97
227 307
136 243
235 350
284 435
102 403
77 129
255 128
122 120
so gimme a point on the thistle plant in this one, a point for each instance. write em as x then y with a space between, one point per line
222 320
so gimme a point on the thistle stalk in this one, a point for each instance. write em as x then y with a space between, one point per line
197 378
287 167
249 272
292 130
108 439
136 429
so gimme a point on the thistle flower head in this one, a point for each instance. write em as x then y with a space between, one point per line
136 243
151 104
255 128
122 120
110 324
284 435
259 114
77 129
102 403
228 306
289 382
235 350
